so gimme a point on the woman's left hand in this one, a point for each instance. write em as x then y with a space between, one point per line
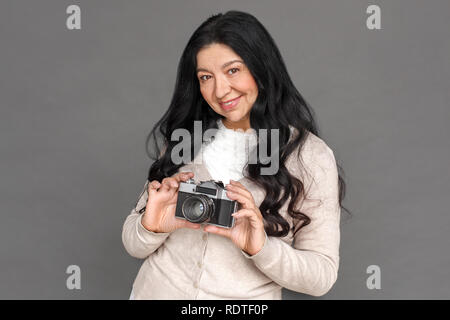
248 230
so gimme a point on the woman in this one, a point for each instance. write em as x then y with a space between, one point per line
232 78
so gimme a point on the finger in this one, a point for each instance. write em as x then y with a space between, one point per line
184 176
249 214
182 223
187 224
177 178
153 187
155 184
170 181
217 230
164 187
245 202
239 186
239 190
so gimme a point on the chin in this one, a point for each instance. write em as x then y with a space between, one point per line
233 118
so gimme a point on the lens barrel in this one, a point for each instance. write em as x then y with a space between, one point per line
197 208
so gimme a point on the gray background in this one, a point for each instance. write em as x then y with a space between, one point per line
77 105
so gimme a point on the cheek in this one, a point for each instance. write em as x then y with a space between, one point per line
249 85
203 91
205 94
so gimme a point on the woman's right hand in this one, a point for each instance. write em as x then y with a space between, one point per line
159 214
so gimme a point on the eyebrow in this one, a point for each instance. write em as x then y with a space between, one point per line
223 66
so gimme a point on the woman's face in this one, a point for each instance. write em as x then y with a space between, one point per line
223 76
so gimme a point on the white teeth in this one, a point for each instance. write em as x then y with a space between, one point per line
228 103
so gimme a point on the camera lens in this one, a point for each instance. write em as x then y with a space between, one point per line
197 208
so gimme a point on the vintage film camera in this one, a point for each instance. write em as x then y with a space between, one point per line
205 202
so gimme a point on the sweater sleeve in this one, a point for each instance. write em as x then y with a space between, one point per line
138 241
311 264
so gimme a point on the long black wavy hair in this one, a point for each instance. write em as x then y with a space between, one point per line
278 106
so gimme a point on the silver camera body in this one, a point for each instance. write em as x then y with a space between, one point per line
206 203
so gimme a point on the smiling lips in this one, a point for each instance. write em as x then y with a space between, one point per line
230 103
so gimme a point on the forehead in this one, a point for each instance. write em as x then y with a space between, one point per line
215 55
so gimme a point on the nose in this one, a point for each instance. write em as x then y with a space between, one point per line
222 87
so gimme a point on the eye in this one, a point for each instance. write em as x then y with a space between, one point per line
201 77
233 69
